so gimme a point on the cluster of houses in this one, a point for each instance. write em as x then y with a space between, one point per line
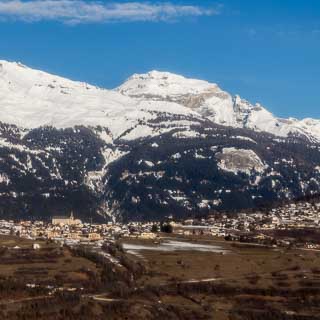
295 215
257 226
290 216
70 230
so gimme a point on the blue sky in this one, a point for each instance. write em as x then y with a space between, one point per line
267 51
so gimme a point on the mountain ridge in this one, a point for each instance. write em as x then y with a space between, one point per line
215 104
149 148
37 92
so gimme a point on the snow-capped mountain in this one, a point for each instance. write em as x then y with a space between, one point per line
211 102
32 98
156 145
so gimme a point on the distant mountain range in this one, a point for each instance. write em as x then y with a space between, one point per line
159 144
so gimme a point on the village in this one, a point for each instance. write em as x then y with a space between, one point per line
67 257
246 227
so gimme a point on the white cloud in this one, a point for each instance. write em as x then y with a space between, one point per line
80 11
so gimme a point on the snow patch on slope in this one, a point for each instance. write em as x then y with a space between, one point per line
94 179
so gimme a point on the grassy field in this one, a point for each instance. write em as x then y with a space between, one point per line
181 278
51 264
240 262
274 279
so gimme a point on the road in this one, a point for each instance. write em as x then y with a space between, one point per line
12 301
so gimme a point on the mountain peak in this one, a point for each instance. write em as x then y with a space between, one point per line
156 74
163 84
30 98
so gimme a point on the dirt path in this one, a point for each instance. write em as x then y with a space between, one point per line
12 301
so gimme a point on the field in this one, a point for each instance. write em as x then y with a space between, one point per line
237 262
51 264
180 278
250 279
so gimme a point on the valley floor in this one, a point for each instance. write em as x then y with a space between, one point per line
174 278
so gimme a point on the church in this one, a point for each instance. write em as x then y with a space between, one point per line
64 220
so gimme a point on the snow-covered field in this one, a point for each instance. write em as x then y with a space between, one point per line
173 245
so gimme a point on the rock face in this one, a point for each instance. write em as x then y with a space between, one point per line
240 160
159 144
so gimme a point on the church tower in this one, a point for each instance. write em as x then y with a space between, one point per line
71 217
